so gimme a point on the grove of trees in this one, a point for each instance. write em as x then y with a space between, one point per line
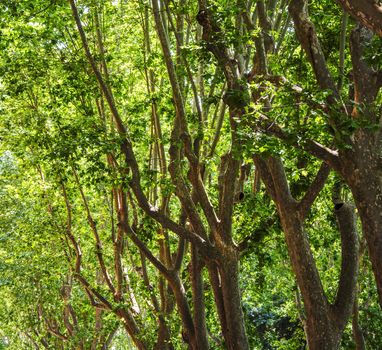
190 174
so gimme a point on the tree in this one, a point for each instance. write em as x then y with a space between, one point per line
150 127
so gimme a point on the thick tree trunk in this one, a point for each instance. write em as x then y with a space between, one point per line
368 198
362 171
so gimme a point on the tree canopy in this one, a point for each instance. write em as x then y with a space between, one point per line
190 174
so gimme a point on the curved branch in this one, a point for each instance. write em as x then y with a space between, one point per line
367 12
314 190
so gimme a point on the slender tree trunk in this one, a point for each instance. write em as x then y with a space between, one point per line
188 334
131 328
229 274
215 281
163 339
198 300
356 328
368 199
321 331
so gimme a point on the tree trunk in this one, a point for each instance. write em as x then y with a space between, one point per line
215 281
229 274
188 333
368 199
324 322
321 332
362 171
198 300
356 328
163 339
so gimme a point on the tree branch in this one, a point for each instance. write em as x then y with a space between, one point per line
367 12
313 190
98 243
312 147
306 34
265 175
277 171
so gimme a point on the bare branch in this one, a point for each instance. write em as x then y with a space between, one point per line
142 247
93 291
313 190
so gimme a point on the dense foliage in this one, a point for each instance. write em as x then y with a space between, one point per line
180 174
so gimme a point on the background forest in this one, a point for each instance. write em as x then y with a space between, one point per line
190 174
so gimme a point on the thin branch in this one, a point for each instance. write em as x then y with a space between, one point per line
148 254
94 229
69 233
94 292
313 190
322 152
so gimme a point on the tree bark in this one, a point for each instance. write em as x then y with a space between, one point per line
324 321
361 162
365 183
367 12
229 274
321 331
188 334
198 300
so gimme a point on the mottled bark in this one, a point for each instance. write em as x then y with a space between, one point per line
366 184
360 163
324 322
367 12
229 274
